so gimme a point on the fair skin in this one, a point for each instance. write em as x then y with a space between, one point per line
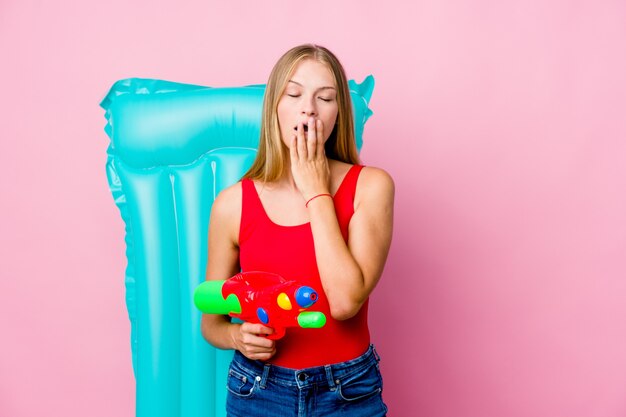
348 271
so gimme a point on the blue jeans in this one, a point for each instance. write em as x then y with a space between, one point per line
351 388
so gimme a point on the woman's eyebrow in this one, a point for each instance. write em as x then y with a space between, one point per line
321 88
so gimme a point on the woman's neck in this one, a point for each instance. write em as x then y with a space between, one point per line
286 181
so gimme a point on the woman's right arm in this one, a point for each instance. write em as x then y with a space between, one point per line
223 263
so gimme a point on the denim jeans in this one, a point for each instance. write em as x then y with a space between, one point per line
351 388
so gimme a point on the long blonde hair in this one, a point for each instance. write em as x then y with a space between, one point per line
341 144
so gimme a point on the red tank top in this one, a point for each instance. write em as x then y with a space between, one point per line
289 252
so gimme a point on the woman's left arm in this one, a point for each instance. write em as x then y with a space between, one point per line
349 272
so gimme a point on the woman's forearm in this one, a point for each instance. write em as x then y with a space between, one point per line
217 330
350 271
340 274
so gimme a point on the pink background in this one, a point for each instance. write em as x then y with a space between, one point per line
502 122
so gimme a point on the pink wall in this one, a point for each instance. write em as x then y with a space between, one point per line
502 123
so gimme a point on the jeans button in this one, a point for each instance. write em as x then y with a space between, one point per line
302 377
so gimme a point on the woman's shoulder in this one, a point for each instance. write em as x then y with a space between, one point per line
369 173
228 201
374 184
375 177
231 192
370 178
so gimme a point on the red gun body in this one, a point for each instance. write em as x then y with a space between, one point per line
273 301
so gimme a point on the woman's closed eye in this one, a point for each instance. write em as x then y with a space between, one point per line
321 98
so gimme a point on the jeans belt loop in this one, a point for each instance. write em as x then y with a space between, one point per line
375 354
330 378
266 371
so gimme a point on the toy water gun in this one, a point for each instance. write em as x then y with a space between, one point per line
261 297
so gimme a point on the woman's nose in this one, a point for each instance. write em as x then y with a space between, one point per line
309 108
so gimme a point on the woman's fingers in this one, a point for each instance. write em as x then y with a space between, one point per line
311 140
319 129
256 329
253 341
309 166
301 142
308 145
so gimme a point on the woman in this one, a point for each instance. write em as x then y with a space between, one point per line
305 210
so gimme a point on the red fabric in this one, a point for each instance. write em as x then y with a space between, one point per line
289 252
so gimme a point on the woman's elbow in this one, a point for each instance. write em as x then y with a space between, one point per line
345 309
204 327
208 326
346 302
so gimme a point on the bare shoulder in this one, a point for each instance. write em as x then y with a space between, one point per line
226 211
374 183
229 199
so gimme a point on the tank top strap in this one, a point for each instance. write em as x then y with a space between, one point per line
344 199
347 188
251 209
249 194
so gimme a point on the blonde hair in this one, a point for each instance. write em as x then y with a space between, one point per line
341 145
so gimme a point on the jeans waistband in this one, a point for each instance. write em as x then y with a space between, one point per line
320 375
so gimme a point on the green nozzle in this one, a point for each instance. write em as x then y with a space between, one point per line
311 320
208 298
